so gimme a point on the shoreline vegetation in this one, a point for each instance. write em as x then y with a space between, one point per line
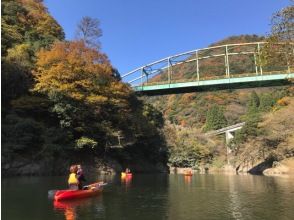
284 168
63 103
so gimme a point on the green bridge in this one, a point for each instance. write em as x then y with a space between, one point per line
220 67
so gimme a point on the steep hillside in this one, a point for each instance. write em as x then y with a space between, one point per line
63 102
187 114
214 66
274 144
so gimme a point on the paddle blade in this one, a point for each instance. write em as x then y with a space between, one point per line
51 193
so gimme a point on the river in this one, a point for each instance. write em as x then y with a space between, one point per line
152 197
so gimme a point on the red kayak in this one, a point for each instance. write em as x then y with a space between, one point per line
91 190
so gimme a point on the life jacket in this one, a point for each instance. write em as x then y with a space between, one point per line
73 179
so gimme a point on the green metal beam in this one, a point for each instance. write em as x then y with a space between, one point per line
215 82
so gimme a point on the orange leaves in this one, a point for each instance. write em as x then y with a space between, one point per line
283 101
96 99
72 68
187 98
81 73
211 97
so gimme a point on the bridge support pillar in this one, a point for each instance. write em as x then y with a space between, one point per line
229 136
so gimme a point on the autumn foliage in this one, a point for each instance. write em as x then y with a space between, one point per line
79 72
61 98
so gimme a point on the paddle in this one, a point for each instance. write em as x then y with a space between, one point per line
94 185
51 193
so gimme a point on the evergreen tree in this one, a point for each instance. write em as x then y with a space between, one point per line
252 118
215 118
266 102
253 103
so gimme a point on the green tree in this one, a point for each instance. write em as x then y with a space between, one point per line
267 101
253 103
251 118
153 115
215 118
15 81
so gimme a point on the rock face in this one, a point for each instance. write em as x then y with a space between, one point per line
61 166
285 167
45 167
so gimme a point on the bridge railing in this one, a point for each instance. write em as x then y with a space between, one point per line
165 71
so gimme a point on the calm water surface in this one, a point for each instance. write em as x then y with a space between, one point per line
153 197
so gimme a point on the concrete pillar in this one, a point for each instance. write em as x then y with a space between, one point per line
229 136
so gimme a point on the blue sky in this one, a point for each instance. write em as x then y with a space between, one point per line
137 32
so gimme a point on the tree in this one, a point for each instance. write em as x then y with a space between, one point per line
26 26
12 27
251 118
89 32
88 99
153 115
215 118
279 50
253 103
283 24
267 101
15 81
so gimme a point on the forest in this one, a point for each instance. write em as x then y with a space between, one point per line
64 102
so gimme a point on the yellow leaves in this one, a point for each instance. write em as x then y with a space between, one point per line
119 89
11 31
80 73
19 54
283 101
96 99
39 17
76 95
66 68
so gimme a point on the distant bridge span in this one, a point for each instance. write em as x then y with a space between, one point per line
233 66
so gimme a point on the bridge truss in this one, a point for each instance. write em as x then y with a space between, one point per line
211 66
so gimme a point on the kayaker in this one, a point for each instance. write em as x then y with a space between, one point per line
73 182
80 176
128 170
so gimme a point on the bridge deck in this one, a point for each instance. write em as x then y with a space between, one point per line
215 83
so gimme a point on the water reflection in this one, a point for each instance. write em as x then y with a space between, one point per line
187 179
235 206
72 209
142 197
230 197
68 208
155 197
126 180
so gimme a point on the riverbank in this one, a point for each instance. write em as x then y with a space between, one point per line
282 168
